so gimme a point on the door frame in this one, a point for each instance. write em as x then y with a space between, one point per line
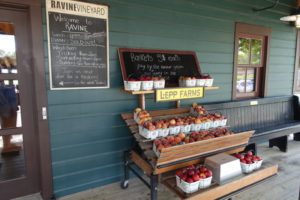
34 9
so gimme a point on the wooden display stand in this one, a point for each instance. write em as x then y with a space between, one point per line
180 156
149 62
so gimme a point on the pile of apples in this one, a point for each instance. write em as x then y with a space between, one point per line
158 79
198 109
186 78
205 77
141 116
175 121
182 138
146 78
248 157
194 173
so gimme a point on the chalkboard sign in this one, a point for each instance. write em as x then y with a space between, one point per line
158 63
78 45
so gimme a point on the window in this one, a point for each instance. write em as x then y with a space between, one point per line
250 60
297 66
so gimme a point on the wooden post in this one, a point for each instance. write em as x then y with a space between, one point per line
177 104
142 101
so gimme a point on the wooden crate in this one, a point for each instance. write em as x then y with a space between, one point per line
180 152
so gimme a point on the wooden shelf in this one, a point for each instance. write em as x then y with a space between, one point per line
237 184
153 91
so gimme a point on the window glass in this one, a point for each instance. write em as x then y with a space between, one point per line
240 81
244 51
8 61
250 80
256 47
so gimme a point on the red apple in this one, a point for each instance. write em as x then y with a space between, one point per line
191 167
196 177
238 155
259 158
249 153
189 180
203 169
202 176
243 161
191 172
151 127
208 173
179 173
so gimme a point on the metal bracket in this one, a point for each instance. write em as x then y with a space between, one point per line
266 8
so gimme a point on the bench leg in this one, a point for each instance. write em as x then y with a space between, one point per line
280 142
297 136
124 183
251 147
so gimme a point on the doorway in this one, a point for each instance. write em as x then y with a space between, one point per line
19 150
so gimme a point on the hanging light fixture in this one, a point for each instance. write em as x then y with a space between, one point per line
294 17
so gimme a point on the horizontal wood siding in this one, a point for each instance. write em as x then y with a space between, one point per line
87 133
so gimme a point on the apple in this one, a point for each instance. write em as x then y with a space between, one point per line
189 180
259 158
191 167
179 173
178 139
184 177
198 121
157 142
170 138
202 176
203 169
151 127
243 161
208 173
249 153
172 122
196 177
160 147
164 126
181 135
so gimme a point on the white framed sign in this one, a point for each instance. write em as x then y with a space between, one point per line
77 45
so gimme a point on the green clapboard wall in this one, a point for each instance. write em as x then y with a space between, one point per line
87 133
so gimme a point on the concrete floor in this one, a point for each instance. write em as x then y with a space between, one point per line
285 186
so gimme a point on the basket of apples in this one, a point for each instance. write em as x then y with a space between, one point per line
167 142
147 83
148 130
187 81
192 178
132 84
162 127
174 126
249 162
217 119
208 80
158 83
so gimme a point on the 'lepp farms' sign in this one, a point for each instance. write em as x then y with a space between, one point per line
179 93
78 44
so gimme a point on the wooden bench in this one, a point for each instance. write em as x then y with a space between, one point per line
272 118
